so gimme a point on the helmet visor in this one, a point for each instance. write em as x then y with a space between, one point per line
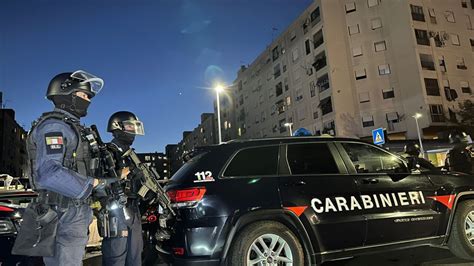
95 82
133 127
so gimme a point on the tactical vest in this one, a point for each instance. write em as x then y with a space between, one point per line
78 159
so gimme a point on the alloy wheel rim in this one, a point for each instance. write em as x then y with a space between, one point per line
270 249
469 227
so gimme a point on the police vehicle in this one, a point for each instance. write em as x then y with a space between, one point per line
307 200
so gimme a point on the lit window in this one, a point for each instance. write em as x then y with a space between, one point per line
376 23
449 15
384 69
364 97
380 46
350 7
357 51
354 29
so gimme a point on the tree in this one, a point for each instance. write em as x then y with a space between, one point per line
466 112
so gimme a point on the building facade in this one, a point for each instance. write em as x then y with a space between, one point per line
346 67
13 155
157 160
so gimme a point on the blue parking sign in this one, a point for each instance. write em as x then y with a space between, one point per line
378 136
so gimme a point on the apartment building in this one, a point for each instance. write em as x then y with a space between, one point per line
13 154
346 67
157 160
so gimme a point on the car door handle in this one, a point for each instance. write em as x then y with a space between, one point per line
295 183
370 181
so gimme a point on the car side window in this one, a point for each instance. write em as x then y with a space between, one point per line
311 158
368 159
254 161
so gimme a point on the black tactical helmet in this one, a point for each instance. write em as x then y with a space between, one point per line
458 137
412 149
68 83
127 122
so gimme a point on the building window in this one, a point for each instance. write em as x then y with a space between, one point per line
376 23
422 37
320 61
388 93
350 7
280 106
472 44
432 14
372 3
432 87
469 23
450 94
318 39
455 39
354 29
326 105
465 87
295 54
464 3
357 51
364 97
437 113
360 74
323 82
315 16
312 89
442 64
380 46
278 89
460 64
392 117
417 13
427 62
367 121
276 71
275 53
384 69
307 47
299 94
449 15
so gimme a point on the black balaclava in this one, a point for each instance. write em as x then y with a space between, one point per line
125 140
72 103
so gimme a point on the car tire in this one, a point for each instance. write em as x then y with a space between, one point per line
462 229
247 245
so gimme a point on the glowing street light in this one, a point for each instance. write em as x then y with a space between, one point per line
218 88
289 125
416 116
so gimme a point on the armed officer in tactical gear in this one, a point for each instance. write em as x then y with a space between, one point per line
460 159
126 246
60 160
414 160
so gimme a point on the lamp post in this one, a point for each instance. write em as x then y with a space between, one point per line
416 116
218 89
289 127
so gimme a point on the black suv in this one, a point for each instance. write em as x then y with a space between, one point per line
306 200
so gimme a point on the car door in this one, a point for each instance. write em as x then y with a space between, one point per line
314 184
395 201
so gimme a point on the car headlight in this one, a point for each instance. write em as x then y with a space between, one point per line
6 227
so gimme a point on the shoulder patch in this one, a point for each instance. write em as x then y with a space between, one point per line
54 142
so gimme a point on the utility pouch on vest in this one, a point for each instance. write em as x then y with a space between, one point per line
108 225
37 236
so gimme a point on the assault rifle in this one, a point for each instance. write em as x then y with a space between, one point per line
149 181
104 162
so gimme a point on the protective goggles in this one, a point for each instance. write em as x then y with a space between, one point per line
133 127
95 82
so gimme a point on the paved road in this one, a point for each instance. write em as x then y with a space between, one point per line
413 257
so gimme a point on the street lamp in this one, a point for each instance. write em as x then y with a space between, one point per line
416 116
218 89
289 126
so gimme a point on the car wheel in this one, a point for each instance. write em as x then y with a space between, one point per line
461 239
266 243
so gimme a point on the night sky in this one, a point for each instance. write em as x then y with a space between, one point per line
156 57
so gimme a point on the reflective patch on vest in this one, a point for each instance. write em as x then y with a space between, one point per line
54 142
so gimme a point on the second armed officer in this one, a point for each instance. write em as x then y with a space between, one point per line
126 246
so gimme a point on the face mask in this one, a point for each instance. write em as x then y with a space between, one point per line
79 106
124 138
